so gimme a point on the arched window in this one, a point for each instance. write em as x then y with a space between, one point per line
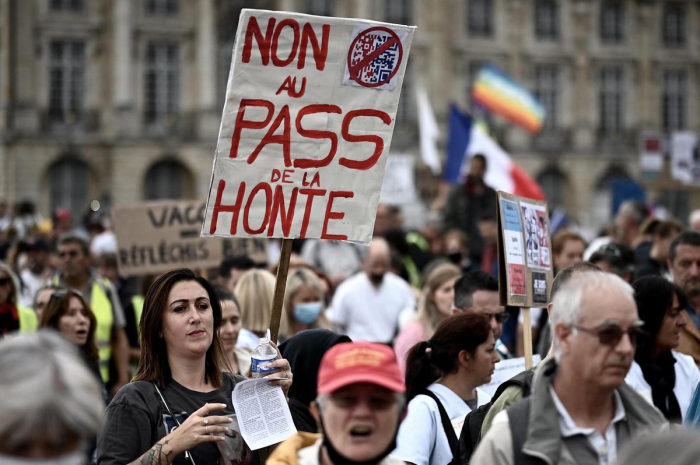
168 180
69 181
553 184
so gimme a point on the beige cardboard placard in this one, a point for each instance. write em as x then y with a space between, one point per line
156 237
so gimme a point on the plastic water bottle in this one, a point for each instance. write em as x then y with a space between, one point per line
263 354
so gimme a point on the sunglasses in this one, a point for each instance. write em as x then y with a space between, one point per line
71 254
349 401
500 317
5 281
612 335
59 294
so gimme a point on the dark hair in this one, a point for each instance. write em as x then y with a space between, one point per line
654 297
561 238
482 158
619 257
58 305
666 229
224 294
471 282
108 259
566 274
457 333
239 262
71 238
687 238
153 365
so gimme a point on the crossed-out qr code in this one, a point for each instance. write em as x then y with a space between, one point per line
380 68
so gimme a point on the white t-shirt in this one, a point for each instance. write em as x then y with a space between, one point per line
32 283
422 439
367 313
687 379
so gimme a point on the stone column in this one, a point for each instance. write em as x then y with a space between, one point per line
122 60
206 104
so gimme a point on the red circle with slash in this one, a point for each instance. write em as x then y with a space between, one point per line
356 69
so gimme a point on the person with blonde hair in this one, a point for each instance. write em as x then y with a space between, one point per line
434 305
254 291
304 303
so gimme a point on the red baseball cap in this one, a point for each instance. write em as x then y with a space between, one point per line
359 362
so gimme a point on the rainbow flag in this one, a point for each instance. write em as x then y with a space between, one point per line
500 94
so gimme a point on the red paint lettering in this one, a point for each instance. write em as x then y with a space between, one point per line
275 41
310 193
286 175
331 215
246 212
314 134
376 140
316 180
219 208
289 85
282 139
320 52
253 31
276 175
286 214
247 124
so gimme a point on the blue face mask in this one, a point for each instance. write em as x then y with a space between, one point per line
307 313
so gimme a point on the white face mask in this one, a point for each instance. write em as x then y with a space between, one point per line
74 458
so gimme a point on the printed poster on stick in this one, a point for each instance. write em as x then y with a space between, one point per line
307 124
524 251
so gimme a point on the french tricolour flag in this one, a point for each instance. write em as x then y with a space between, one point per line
465 139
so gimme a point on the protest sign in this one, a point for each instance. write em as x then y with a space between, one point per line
158 236
505 370
307 124
524 258
399 186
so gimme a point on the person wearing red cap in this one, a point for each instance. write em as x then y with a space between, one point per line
359 409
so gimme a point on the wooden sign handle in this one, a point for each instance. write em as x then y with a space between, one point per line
527 336
280 286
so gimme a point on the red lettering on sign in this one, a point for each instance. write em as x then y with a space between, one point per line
270 138
286 214
219 208
310 193
246 212
247 124
276 38
286 175
331 215
276 175
289 85
253 30
320 53
376 140
314 134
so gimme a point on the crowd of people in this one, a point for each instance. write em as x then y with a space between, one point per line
383 352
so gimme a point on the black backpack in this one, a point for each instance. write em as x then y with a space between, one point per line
471 430
463 447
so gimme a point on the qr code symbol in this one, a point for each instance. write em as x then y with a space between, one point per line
380 68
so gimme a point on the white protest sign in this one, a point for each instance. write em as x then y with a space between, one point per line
399 186
307 124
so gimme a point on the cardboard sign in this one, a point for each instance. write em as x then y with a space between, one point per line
307 124
159 236
505 370
524 251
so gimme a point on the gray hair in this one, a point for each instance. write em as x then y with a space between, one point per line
46 391
567 303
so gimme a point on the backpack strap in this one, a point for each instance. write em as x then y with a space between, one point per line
447 426
518 419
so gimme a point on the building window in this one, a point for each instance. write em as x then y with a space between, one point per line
166 181
546 20
399 11
406 111
69 185
611 22
66 80
321 7
611 89
162 7
547 91
674 25
161 83
67 5
674 101
553 184
480 18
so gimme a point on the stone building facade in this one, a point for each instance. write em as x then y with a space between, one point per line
120 100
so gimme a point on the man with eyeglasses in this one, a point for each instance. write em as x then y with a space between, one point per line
75 273
477 291
359 408
580 410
